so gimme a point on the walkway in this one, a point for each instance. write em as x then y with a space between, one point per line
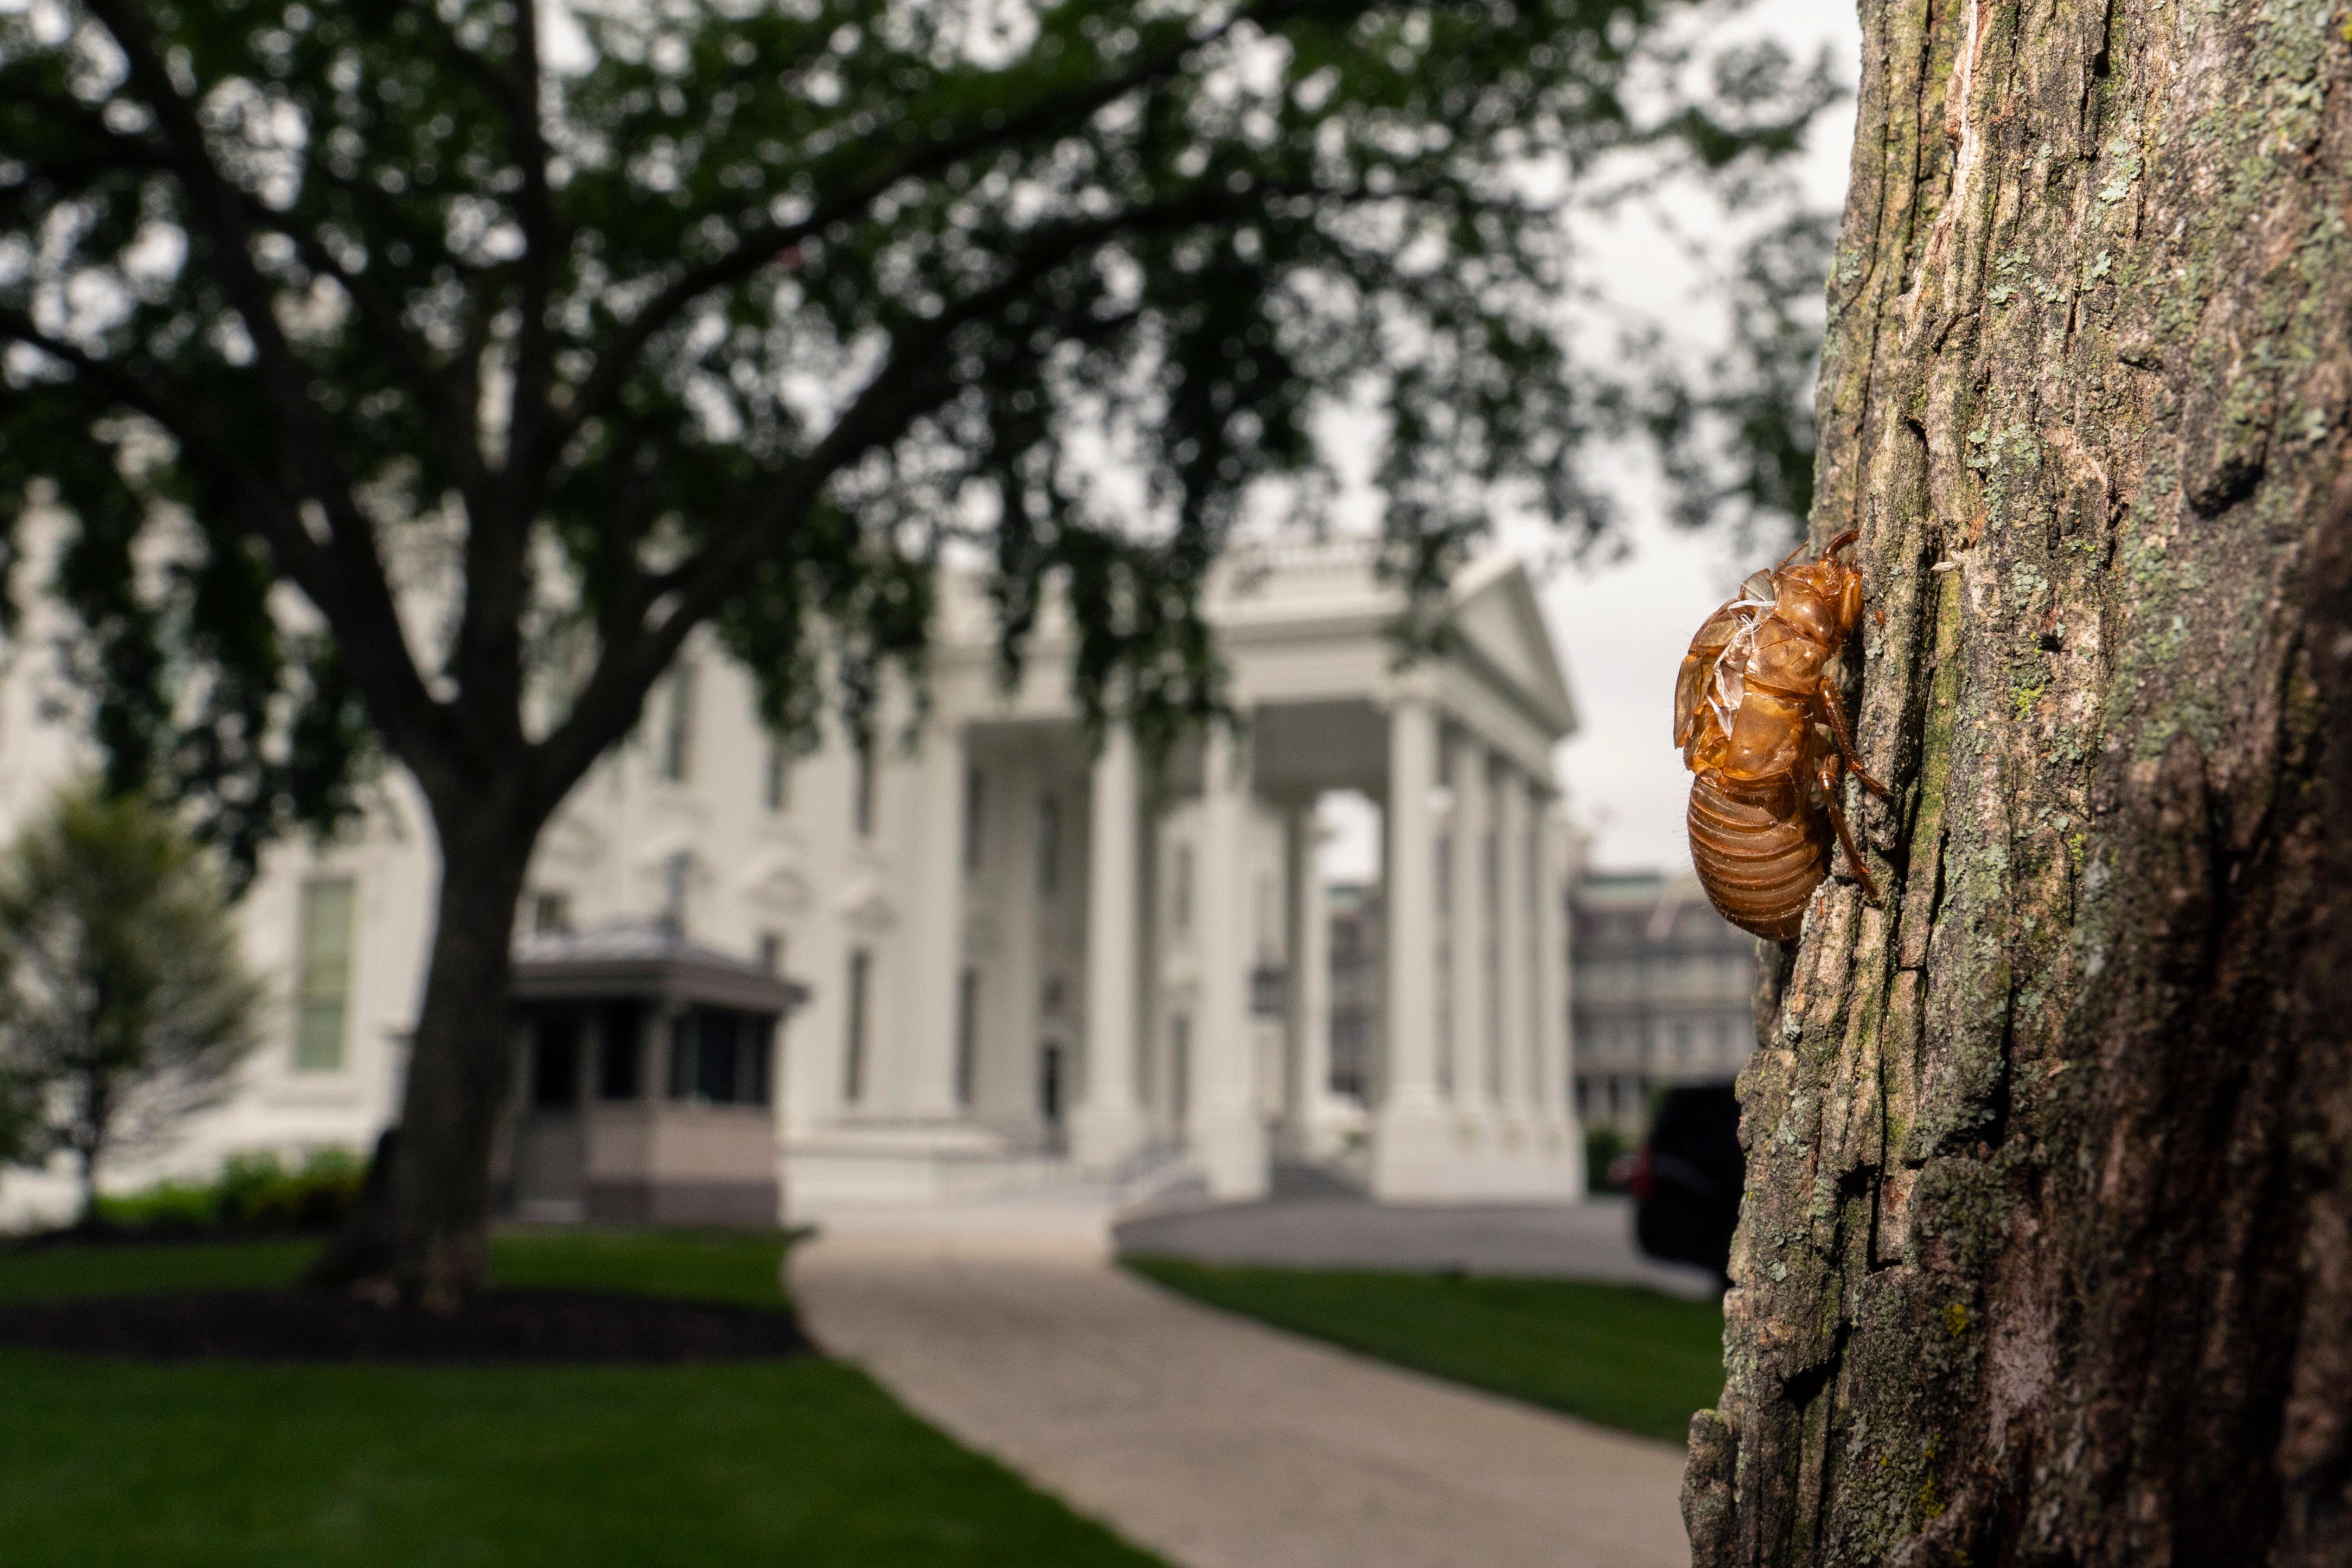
1210 1439
1592 1241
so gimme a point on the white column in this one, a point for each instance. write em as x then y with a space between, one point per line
1313 1115
1109 1125
1228 1134
1410 1150
1473 1001
1553 1040
1515 1005
918 1079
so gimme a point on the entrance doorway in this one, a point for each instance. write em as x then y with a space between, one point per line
1051 1092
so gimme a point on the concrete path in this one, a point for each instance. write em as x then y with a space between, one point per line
1592 1241
1209 1439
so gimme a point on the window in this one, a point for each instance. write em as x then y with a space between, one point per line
619 1052
555 1062
1180 1068
776 782
720 1057
967 1036
678 728
975 810
323 975
861 805
772 951
1682 1042
1181 892
551 911
1049 844
852 1070
1050 1002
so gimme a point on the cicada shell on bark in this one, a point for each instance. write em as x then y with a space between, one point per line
1761 729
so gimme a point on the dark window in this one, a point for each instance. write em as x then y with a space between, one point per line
852 1071
551 911
619 1056
967 1061
772 951
1050 1090
555 1062
681 1055
862 805
757 1046
1049 844
1179 1070
776 788
714 1037
975 806
678 731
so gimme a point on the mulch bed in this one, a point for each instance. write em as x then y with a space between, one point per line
572 1326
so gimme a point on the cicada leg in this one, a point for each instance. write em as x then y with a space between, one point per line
1835 711
1828 774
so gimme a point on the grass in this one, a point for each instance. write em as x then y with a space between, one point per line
1616 1355
107 1463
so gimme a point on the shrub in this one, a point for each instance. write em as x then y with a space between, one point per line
252 1192
1602 1146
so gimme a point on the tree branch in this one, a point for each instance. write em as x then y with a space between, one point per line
347 580
755 247
628 667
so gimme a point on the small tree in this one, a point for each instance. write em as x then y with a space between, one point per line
124 1002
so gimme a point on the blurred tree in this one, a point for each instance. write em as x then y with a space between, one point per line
520 341
1736 438
124 1000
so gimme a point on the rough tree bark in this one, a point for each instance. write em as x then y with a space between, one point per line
2046 1255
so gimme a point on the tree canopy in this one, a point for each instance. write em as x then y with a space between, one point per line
523 340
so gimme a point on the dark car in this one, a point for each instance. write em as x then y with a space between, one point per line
1687 1177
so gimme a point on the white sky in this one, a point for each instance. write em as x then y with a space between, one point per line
1621 628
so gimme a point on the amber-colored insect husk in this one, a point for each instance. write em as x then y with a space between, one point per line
1758 717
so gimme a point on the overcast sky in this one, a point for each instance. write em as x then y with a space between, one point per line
1621 628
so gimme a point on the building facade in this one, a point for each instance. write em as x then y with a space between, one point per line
1663 989
1029 960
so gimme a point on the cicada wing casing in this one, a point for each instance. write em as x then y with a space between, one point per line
1698 665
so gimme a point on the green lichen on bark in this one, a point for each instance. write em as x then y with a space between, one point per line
2049 1182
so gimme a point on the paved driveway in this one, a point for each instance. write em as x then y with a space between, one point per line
1564 1241
1214 1441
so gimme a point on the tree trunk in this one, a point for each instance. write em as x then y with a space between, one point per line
2046 1255
457 1071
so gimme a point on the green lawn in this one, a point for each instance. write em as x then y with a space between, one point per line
1617 1354
802 1462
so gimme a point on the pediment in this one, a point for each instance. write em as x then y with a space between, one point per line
866 909
654 858
573 843
776 884
1496 612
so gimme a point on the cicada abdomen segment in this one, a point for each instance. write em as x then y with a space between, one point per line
1752 844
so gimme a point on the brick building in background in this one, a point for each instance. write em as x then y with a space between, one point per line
1661 993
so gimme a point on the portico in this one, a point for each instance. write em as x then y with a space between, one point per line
1094 970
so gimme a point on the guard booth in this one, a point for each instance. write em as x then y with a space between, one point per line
645 1081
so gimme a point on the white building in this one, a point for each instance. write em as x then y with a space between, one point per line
1030 963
